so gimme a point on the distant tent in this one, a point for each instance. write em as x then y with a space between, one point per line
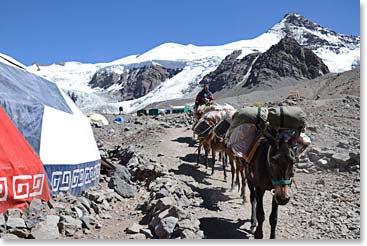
54 127
98 119
119 119
22 176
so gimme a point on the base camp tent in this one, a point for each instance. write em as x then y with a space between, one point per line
98 119
53 126
22 176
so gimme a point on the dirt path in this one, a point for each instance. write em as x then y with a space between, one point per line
222 213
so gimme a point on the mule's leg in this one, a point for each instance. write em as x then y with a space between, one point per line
232 172
226 158
243 188
259 213
238 174
198 157
206 156
253 205
224 162
273 218
213 160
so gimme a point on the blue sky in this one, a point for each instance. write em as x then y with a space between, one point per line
93 31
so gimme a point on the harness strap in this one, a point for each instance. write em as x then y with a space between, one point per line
282 182
281 116
250 154
258 116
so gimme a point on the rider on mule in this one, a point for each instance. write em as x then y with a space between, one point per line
204 97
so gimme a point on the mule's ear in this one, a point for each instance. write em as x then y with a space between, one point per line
272 141
275 158
291 157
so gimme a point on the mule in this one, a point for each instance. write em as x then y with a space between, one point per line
272 169
213 144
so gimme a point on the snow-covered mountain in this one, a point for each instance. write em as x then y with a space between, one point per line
339 53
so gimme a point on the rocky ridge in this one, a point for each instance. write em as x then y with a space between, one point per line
133 83
287 59
285 63
230 72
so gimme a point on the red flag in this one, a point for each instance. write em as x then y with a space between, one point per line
22 176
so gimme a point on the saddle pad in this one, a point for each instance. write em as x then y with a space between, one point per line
241 139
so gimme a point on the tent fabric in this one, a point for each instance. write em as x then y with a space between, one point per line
119 119
99 119
22 175
23 96
27 118
54 127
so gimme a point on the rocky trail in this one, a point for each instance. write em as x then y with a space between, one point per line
325 203
314 211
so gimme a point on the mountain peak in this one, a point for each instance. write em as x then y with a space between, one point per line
294 20
313 35
292 15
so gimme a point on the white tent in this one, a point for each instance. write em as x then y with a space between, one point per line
52 124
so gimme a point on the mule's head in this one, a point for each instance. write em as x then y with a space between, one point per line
281 159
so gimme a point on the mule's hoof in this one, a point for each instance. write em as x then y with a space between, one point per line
253 229
258 234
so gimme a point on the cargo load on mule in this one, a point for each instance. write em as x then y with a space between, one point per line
202 128
287 117
247 123
289 122
221 128
250 115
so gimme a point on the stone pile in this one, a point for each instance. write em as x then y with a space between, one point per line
63 216
165 209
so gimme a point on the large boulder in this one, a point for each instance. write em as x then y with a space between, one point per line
47 229
15 223
69 226
121 182
165 227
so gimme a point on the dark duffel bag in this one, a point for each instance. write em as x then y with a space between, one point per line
250 115
202 128
287 117
221 128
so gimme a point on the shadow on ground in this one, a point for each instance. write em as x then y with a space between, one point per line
220 228
190 158
192 171
211 196
189 140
